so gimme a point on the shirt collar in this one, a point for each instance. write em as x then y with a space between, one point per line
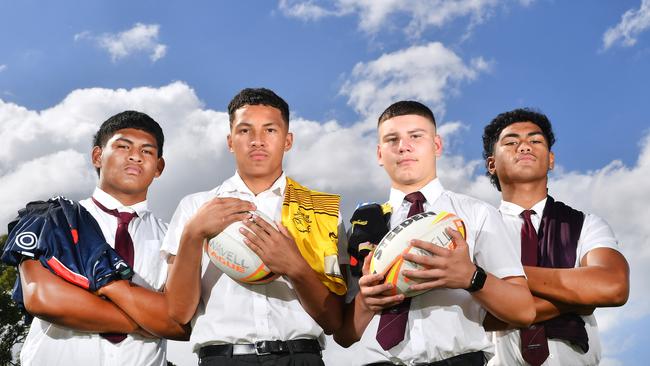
431 192
513 209
236 184
112 203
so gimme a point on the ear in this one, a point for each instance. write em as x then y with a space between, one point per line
160 166
437 141
288 141
489 164
96 157
229 141
379 157
551 160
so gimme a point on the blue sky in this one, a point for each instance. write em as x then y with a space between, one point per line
67 66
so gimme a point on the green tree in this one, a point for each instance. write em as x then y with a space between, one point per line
12 323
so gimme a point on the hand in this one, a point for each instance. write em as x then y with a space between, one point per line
373 292
445 268
112 287
275 247
217 214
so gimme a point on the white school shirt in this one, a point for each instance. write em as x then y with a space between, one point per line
50 344
233 312
595 233
443 323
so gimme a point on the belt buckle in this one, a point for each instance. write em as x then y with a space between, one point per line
261 348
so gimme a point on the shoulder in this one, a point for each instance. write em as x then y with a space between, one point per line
470 204
198 198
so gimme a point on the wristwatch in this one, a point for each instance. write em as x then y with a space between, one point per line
478 280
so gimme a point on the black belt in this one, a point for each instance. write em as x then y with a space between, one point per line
261 348
467 359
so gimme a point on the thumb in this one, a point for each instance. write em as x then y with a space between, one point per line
366 263
283 230
457 239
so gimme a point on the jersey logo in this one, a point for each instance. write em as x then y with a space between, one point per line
26 240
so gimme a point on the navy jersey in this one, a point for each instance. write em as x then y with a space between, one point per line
67 240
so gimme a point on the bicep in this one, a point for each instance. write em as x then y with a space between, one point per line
606 258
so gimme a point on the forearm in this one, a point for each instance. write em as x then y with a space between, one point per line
587 286
51 298
356 318
318 301
146 307
518 310
183 287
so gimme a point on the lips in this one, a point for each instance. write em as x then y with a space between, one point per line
526 157
258 155
406 161
133 170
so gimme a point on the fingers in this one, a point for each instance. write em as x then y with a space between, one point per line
377 295
458 239
366 263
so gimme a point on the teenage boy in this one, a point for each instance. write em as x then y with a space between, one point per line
282 322
124 323
442 326
571 259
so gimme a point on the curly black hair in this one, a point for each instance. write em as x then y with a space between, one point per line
499 123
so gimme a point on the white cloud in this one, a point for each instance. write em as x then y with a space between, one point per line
3 67
428 73
633 22
46 153
377 14
141 38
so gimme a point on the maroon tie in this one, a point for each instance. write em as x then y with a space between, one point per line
392 323
534 346
123 247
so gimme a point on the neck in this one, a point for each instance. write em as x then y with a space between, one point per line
410 188
526 194
126 199
259 184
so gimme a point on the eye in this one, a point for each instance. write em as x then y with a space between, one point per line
147 152
122 146
271 130
415 136
243 130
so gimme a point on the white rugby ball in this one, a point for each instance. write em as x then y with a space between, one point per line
233 257
387 259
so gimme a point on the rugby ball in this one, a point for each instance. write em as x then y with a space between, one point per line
387 258
233 257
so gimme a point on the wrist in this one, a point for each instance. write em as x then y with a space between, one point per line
478 280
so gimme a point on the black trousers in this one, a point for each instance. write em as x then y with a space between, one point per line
296 359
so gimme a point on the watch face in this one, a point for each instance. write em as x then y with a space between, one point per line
478 280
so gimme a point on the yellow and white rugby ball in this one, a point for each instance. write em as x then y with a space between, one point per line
233 257
387 258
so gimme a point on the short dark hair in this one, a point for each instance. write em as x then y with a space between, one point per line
499 123
129 119
258 96
406 107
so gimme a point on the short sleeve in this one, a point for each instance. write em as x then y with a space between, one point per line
595 233
495 249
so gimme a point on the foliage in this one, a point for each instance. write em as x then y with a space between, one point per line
12 323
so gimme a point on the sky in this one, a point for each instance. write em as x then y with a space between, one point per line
67 66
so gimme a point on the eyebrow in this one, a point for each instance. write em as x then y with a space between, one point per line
394 133
266 124
534 133
124 139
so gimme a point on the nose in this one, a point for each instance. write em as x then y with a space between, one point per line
404 146
524 146
135 156
257 139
